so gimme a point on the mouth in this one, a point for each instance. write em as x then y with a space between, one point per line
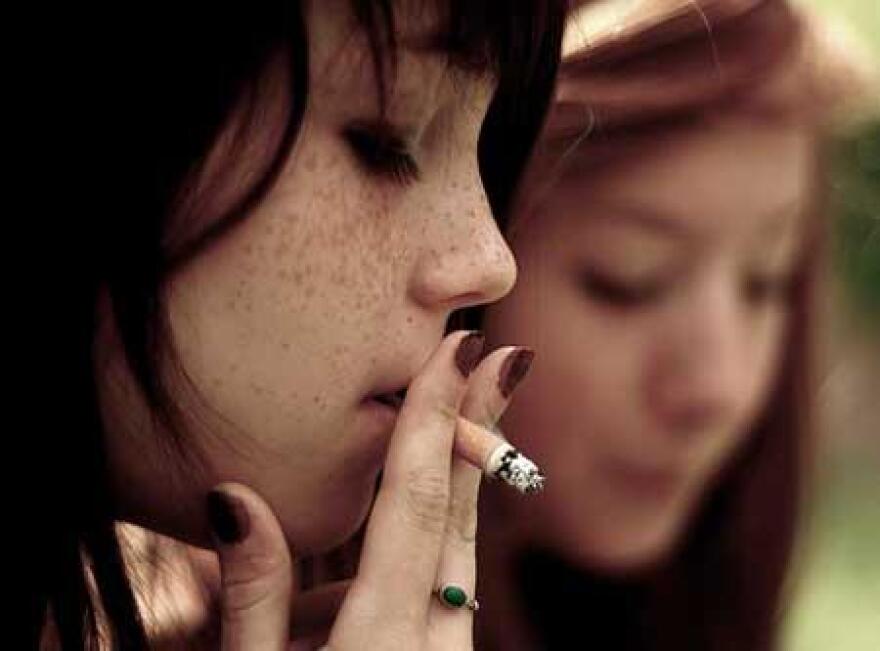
655 482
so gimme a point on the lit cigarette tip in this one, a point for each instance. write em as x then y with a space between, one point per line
513 467
497 458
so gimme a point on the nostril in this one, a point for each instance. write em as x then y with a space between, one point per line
470 299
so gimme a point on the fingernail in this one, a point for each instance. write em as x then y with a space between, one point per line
469 352
514 369
228 517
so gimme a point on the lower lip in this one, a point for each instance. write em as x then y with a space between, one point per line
646 483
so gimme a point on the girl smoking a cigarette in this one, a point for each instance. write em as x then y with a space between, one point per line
285 205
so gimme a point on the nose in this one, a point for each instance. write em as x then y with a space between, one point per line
467 262
703 371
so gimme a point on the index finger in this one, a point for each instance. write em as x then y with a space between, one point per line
406 529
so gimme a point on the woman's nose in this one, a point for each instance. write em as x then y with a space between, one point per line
468 261
704 369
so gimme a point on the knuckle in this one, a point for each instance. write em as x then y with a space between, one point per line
462 520
260 578
426 499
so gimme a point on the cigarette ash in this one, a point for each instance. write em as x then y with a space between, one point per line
519 471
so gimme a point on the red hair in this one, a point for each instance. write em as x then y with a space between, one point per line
670 70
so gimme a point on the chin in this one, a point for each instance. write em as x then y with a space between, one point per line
636 558
333 523
626 551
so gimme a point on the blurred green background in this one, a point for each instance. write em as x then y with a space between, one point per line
836 595
863 15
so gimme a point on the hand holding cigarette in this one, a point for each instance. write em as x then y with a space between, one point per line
423 518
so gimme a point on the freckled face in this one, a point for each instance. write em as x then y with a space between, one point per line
340 283
656 295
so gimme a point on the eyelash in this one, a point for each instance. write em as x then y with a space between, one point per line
756 290
618 294
768 289
382 152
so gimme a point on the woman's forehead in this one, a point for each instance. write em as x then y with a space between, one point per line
695 178
343 60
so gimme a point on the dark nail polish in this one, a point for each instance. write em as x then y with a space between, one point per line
228 517
514 369
469 352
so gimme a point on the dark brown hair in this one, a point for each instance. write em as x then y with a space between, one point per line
723 589
137 97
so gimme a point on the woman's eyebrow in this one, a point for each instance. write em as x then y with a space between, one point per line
652 219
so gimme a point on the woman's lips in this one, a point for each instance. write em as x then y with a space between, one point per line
644 482
392 399
384 407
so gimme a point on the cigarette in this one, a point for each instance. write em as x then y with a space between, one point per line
496 457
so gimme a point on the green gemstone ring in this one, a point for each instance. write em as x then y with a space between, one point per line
453 596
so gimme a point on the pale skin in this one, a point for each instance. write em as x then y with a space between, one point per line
656 293
337 288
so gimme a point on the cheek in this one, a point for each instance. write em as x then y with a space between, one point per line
277 321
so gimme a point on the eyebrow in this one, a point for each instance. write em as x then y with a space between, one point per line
664 223
646 217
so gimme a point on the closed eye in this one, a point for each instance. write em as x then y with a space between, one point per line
763 289
382 152
620 294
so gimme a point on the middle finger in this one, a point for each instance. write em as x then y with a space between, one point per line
489 391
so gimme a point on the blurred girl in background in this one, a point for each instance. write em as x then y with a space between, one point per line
669 238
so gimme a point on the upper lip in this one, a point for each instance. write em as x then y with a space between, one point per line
658 473
397 378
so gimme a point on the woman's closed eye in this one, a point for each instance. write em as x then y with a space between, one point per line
605 288
766 288
382 152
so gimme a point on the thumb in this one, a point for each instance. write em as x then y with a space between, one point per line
255 569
